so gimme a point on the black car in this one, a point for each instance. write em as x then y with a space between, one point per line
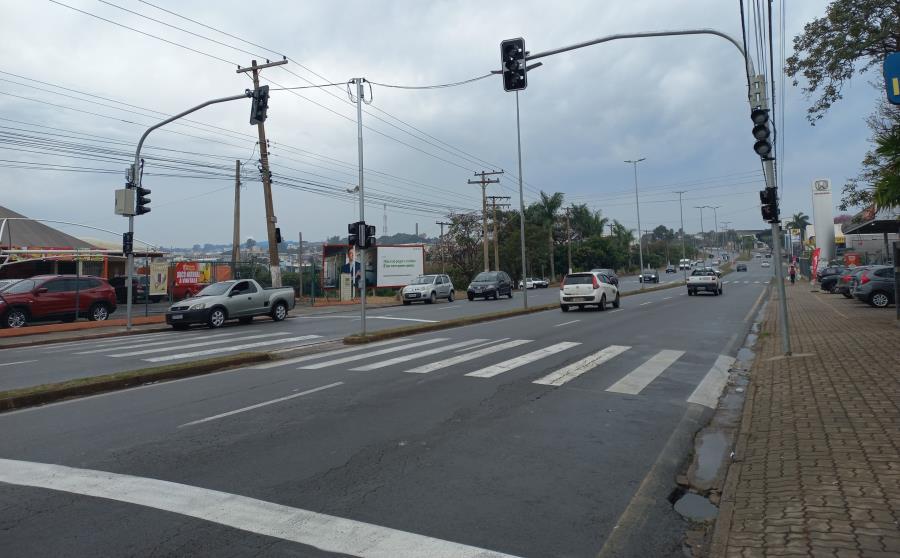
670 269
649 276
741 267
490 284
828 271
831 282
610 273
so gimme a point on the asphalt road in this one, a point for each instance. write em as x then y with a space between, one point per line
549 434
30 366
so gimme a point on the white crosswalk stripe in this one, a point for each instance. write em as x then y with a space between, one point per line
507 365
572 371
232 348
710 388
326 354
437 365
415 355
139 345
216 341
351 358
639 378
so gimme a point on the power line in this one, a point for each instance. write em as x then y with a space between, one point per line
438 86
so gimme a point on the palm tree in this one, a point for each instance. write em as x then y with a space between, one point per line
800 221
548 207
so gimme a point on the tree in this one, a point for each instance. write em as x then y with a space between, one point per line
548 207
879 166
250 243
887 187
800 221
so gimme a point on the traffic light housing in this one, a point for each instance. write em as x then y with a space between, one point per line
761 132
353 234
143 202
768 199
127 243
260 105
369 241
512 59
278 238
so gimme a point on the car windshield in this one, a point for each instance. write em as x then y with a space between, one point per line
585 279
21 287
7 284
702 273
216 289
423 280
485 276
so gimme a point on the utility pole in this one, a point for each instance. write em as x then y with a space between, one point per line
236 233
637 202
274 264
725 224
300 262
568 239
496 233
384 221
702 232
484 181
716 226
681 214
361 253
442 223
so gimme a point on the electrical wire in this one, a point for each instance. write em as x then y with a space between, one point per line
438 86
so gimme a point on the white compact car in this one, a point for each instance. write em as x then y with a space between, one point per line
427 289
528 284
587 289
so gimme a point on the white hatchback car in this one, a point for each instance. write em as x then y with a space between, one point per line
587 289
427 289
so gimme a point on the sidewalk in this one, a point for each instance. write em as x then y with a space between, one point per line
816 469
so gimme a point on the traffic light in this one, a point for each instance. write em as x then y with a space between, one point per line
127 243
143 202
260 105
353 234
768 199
512 58
761 132
278 239
369 241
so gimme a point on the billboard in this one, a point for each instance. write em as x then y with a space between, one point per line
159 278
399 265
823 218
340 258
192 273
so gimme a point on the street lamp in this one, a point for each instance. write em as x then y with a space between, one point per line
716 225
702 232
637 203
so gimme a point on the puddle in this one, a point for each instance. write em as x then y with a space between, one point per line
711 448
696 508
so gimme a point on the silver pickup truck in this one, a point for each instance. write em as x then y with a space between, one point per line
240 299
704 279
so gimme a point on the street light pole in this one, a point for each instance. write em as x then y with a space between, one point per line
637 202
521 202
716 226
702 232
681 214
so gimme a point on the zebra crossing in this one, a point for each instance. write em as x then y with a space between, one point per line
501 356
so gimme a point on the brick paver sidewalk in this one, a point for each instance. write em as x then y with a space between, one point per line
817 461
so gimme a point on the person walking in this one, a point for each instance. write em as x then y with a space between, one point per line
792 271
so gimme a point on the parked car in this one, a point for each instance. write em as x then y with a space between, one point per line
587 289
649 276
670 269
828 271
830 282
765 264
54 297
4 283
138 289
427 289
490 284
529 283
239 298
876 286
541 283
609 273
741 267
704 279
845 283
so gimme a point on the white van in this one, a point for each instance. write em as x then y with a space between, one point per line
684 264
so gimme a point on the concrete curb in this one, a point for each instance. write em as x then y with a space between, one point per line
103 335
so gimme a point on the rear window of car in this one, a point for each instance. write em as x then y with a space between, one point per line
703 273
24 286
584 279
485 276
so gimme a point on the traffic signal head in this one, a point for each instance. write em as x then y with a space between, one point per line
278 239
768 199
761 132
512 59
353 234
143 202
369 241
260 105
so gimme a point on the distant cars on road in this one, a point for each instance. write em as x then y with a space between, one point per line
741 267
649 276
670 269
490 284
427 289
541 283
56 297
706 280
587 289
765 264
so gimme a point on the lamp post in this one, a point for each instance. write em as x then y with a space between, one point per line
637 203
702 232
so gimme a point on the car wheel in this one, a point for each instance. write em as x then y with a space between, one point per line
216 318
879 299
280 312
616 301
564 307
406 303
510 294
847 295
431 298
98 312
471 297
15 318
246 320
721 290
450 297
690 292
180 327
602 305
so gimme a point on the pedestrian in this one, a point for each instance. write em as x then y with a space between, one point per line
792 271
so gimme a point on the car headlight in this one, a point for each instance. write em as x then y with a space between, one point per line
198 306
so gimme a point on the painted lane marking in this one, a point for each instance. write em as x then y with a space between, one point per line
258 405
614 311
231 348
59 347
639 378
327 354
325 317
646 303
567 323
480 345
152 344
403 319
437 365
18 362
667 298
194 345
454 307
326 532
420 354
507 365
710 388
576 369
351 358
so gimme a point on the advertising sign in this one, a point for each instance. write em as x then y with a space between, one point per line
815 263
399 265
852 259
159 278
192 273
823 217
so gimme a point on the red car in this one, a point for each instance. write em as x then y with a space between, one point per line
53 297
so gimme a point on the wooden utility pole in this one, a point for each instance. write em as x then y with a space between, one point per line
494 205
484 181
568 240
442 223
274 263
236 233
300 263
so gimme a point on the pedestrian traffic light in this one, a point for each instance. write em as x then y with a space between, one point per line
768 199
143 202
127 243
369 241
260 105
512 58
353 234
761 132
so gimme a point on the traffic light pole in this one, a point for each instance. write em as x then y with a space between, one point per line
361 262
521 203
136 183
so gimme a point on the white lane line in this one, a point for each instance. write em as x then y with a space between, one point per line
403 319
420 354
667 297
452 361
639 378
325 317
756 282
576 369
746 282
258 405
646 303
325 532
614 311
18 362
567 323
231 348
351 358
57 347
153 343
507 365
480 345
215 341
327 354
453 307
710 388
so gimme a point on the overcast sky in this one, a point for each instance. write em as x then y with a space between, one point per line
680 102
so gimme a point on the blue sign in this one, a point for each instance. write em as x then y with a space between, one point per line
892 77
